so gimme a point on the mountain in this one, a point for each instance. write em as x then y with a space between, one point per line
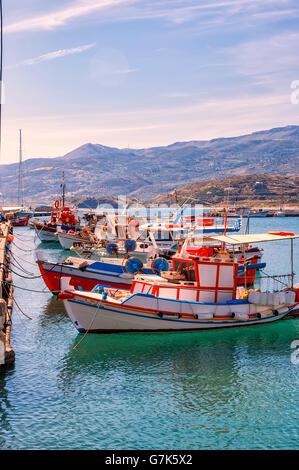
96 170
247 190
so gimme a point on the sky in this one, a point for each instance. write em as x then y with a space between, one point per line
145 73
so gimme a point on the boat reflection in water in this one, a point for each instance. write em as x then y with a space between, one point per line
191 378
53 312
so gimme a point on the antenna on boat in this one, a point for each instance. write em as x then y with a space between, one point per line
20 180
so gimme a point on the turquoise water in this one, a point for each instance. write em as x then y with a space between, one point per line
234 389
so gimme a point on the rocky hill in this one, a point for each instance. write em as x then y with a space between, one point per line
247 190
96 170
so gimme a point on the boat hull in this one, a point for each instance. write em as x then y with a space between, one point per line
48 233
20 221
86 278
67 240
95 315
45 234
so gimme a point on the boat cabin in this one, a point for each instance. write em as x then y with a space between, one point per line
204 274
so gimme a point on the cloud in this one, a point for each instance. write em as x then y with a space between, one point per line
59 18
53 55
226 117
125 71
175 11
272 61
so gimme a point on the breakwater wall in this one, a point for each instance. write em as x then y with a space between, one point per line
7 354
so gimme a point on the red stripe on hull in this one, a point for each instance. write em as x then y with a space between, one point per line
52 281
20 221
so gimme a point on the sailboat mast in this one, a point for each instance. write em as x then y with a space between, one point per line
63 190
20 180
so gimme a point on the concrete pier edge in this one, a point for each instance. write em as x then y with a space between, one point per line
7 354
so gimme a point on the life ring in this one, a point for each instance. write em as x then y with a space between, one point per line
57 204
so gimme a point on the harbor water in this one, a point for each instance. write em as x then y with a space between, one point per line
226 389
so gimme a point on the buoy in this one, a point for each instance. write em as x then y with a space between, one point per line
240 316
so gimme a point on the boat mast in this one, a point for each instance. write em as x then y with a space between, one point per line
292 263
63 190
20 180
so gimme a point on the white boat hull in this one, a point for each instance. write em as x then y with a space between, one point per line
67 240
89 312
45 236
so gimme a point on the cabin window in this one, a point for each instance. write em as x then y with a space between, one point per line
184 269
177 266
191 272
162 236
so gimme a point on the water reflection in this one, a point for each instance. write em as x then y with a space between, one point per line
215 385
53 312
5 404
195 362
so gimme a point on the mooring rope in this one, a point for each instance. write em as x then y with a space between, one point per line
19 266
24 288
90 325
23 249
39 276
25 314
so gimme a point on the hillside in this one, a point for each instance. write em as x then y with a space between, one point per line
96 170
248 190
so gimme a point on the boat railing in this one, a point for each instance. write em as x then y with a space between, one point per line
274 283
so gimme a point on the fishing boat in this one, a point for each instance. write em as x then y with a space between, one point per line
119 271
17 215
86 273
200 293
18 220
258 213
62 219
73 238
165 237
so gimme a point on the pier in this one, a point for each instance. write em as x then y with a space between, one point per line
7 354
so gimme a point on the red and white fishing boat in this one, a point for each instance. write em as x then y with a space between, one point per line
200 293
119 271
62 219
86 273
18 220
